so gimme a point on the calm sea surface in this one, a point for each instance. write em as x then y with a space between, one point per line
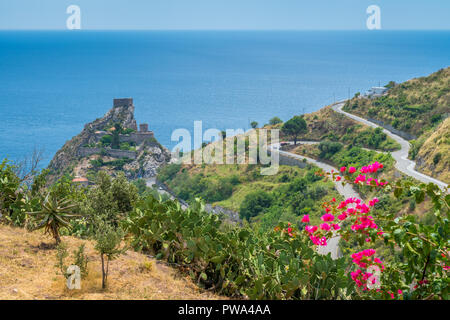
53 82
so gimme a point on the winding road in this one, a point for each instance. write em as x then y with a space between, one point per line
402 163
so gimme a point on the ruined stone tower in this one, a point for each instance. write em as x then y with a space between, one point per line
143 127
124 102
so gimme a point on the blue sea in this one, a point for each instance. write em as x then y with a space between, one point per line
53 82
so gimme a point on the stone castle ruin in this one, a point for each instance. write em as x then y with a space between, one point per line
136 137
136 148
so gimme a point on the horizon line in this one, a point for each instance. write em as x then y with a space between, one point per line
87 29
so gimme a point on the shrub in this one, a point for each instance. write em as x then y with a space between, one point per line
10 199
254 204
106 140
168 172
436 118
80 259
141 185
329 148
437 157
275 120
55 214
110 198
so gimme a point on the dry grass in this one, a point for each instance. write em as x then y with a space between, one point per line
27 271
324 122
437 144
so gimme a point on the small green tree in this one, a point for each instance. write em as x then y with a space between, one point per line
294 127
115 141
108 245
80 259
275 120
254 124
110 198
55 213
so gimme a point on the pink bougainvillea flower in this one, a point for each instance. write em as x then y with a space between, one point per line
305 218
325 226
343 169
311 229
352 170
374 167
338 178
323 241
327 217
333 200
360 178
336 226
373 202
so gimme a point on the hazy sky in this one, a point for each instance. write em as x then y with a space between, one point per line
225 14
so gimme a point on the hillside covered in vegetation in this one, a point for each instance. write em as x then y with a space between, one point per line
326 124
420 108
263 200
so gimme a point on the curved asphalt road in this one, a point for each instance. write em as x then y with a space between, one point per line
402 164
346 191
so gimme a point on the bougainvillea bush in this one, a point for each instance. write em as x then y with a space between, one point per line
421 271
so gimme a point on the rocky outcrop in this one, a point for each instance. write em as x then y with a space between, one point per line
75 156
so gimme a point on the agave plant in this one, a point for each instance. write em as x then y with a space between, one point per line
55 213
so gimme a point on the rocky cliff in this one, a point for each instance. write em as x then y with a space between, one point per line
92 149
